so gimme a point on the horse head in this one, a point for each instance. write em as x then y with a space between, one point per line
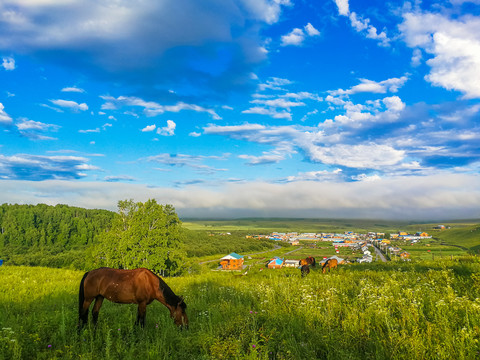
179 315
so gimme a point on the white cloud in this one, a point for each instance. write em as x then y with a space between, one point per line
368 156
88 131
382 87
360 24
320 175
297 36
270 112
72 105
266 158
151 108
5 119
168 130
73 89
149 128
101 36
311 31
442 196
27 125
278 103
454 45
8 63
343 8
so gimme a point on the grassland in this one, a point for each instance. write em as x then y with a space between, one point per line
417 310
428 308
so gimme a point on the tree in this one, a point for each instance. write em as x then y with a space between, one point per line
142 235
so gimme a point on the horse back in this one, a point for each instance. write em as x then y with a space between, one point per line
122 286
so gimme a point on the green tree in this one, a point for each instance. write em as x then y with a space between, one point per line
142 235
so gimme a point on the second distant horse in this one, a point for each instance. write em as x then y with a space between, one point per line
329 264
308 261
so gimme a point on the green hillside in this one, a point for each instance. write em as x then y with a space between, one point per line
467 237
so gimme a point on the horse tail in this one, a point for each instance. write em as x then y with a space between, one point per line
81 295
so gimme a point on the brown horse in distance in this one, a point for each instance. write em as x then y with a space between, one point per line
329 264
138 286
308 261
305 269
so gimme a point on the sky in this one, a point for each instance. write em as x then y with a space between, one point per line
243 108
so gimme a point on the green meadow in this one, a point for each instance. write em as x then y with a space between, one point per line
395 310
426 308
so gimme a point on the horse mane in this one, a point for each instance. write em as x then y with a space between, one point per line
169 295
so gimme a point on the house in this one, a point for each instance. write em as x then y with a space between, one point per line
291 263
232 261
275 263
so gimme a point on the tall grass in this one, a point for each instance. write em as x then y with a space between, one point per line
423 310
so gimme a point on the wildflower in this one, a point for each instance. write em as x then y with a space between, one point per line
49 346
254 346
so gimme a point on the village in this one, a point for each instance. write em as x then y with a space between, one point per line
357 243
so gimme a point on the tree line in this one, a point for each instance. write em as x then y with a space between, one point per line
137 235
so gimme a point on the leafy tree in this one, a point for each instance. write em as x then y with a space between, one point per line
142 235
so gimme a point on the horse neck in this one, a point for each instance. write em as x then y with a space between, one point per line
166 295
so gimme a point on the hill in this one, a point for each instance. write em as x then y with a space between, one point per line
467 237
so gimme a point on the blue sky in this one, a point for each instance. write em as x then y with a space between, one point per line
232 108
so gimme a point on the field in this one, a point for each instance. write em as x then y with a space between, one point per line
416 310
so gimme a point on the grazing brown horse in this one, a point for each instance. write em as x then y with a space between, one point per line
138 286
308 261
330 264
305 269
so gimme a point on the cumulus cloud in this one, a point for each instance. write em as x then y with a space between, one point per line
360 24
5 119
149 128
297 36
168 130
343 7
8 63
370 86
370 156
454 47
69 104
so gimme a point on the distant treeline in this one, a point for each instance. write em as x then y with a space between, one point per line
59 226
63 236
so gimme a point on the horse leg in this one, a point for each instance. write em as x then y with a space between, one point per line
96 308
142 311
83 316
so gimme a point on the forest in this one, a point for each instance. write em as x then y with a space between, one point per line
63 236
